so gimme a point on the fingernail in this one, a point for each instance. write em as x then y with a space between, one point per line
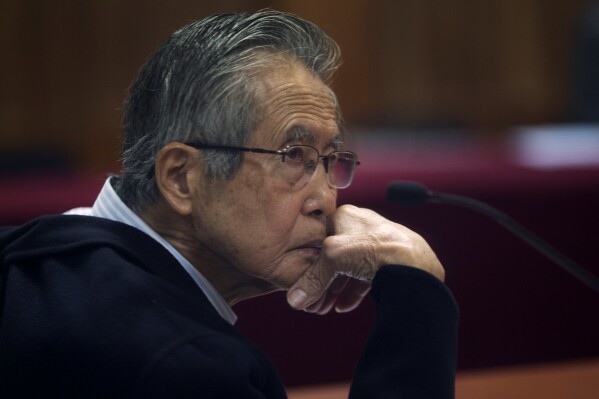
297 298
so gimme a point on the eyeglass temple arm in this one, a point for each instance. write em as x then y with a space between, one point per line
232 148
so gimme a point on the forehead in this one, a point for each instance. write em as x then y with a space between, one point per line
303 134
296 106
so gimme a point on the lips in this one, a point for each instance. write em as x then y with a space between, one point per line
311 250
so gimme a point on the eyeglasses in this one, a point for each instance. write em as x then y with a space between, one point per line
300 162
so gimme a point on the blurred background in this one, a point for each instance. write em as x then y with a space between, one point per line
498 99
484 66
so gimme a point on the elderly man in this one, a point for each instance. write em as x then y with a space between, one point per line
233 154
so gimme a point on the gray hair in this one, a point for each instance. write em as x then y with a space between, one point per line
200 85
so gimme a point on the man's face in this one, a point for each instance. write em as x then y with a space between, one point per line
260 224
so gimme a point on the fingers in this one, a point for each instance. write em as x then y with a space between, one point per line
344 294
361 243
342 255
352 295
330 298
311 286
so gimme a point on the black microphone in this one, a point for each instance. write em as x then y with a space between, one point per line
409 193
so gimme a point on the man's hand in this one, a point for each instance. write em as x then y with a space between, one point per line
362 241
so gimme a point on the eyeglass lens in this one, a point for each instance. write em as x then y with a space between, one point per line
341 169
339 165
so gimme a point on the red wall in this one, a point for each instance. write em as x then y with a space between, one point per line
516 306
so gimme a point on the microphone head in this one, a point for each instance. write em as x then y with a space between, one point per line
407 193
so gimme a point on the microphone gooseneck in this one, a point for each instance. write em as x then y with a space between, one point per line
407 193
410 193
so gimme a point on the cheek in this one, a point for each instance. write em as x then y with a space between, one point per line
270 237
272 226
253 227
258 231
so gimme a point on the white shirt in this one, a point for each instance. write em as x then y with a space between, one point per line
108 205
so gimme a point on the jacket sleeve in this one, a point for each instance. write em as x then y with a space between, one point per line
412 351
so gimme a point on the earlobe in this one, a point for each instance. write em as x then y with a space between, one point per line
174 163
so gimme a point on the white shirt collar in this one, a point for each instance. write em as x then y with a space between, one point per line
109 205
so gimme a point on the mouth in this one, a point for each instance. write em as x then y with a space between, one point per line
311 249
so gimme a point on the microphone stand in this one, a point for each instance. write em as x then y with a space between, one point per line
416 193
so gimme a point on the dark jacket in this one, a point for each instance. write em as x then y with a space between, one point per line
95 308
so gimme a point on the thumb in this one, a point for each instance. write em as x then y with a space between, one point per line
311 286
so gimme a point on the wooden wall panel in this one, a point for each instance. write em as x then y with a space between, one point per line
65 65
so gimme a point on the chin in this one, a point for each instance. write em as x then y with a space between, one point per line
291 279
288 271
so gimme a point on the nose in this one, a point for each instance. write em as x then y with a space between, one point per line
322 198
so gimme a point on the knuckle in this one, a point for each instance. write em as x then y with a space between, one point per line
314 280
346 207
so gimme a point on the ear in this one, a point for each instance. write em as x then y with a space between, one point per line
176 166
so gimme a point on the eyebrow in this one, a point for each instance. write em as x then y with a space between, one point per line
302 133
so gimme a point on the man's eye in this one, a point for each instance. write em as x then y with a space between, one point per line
311 166
295 154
